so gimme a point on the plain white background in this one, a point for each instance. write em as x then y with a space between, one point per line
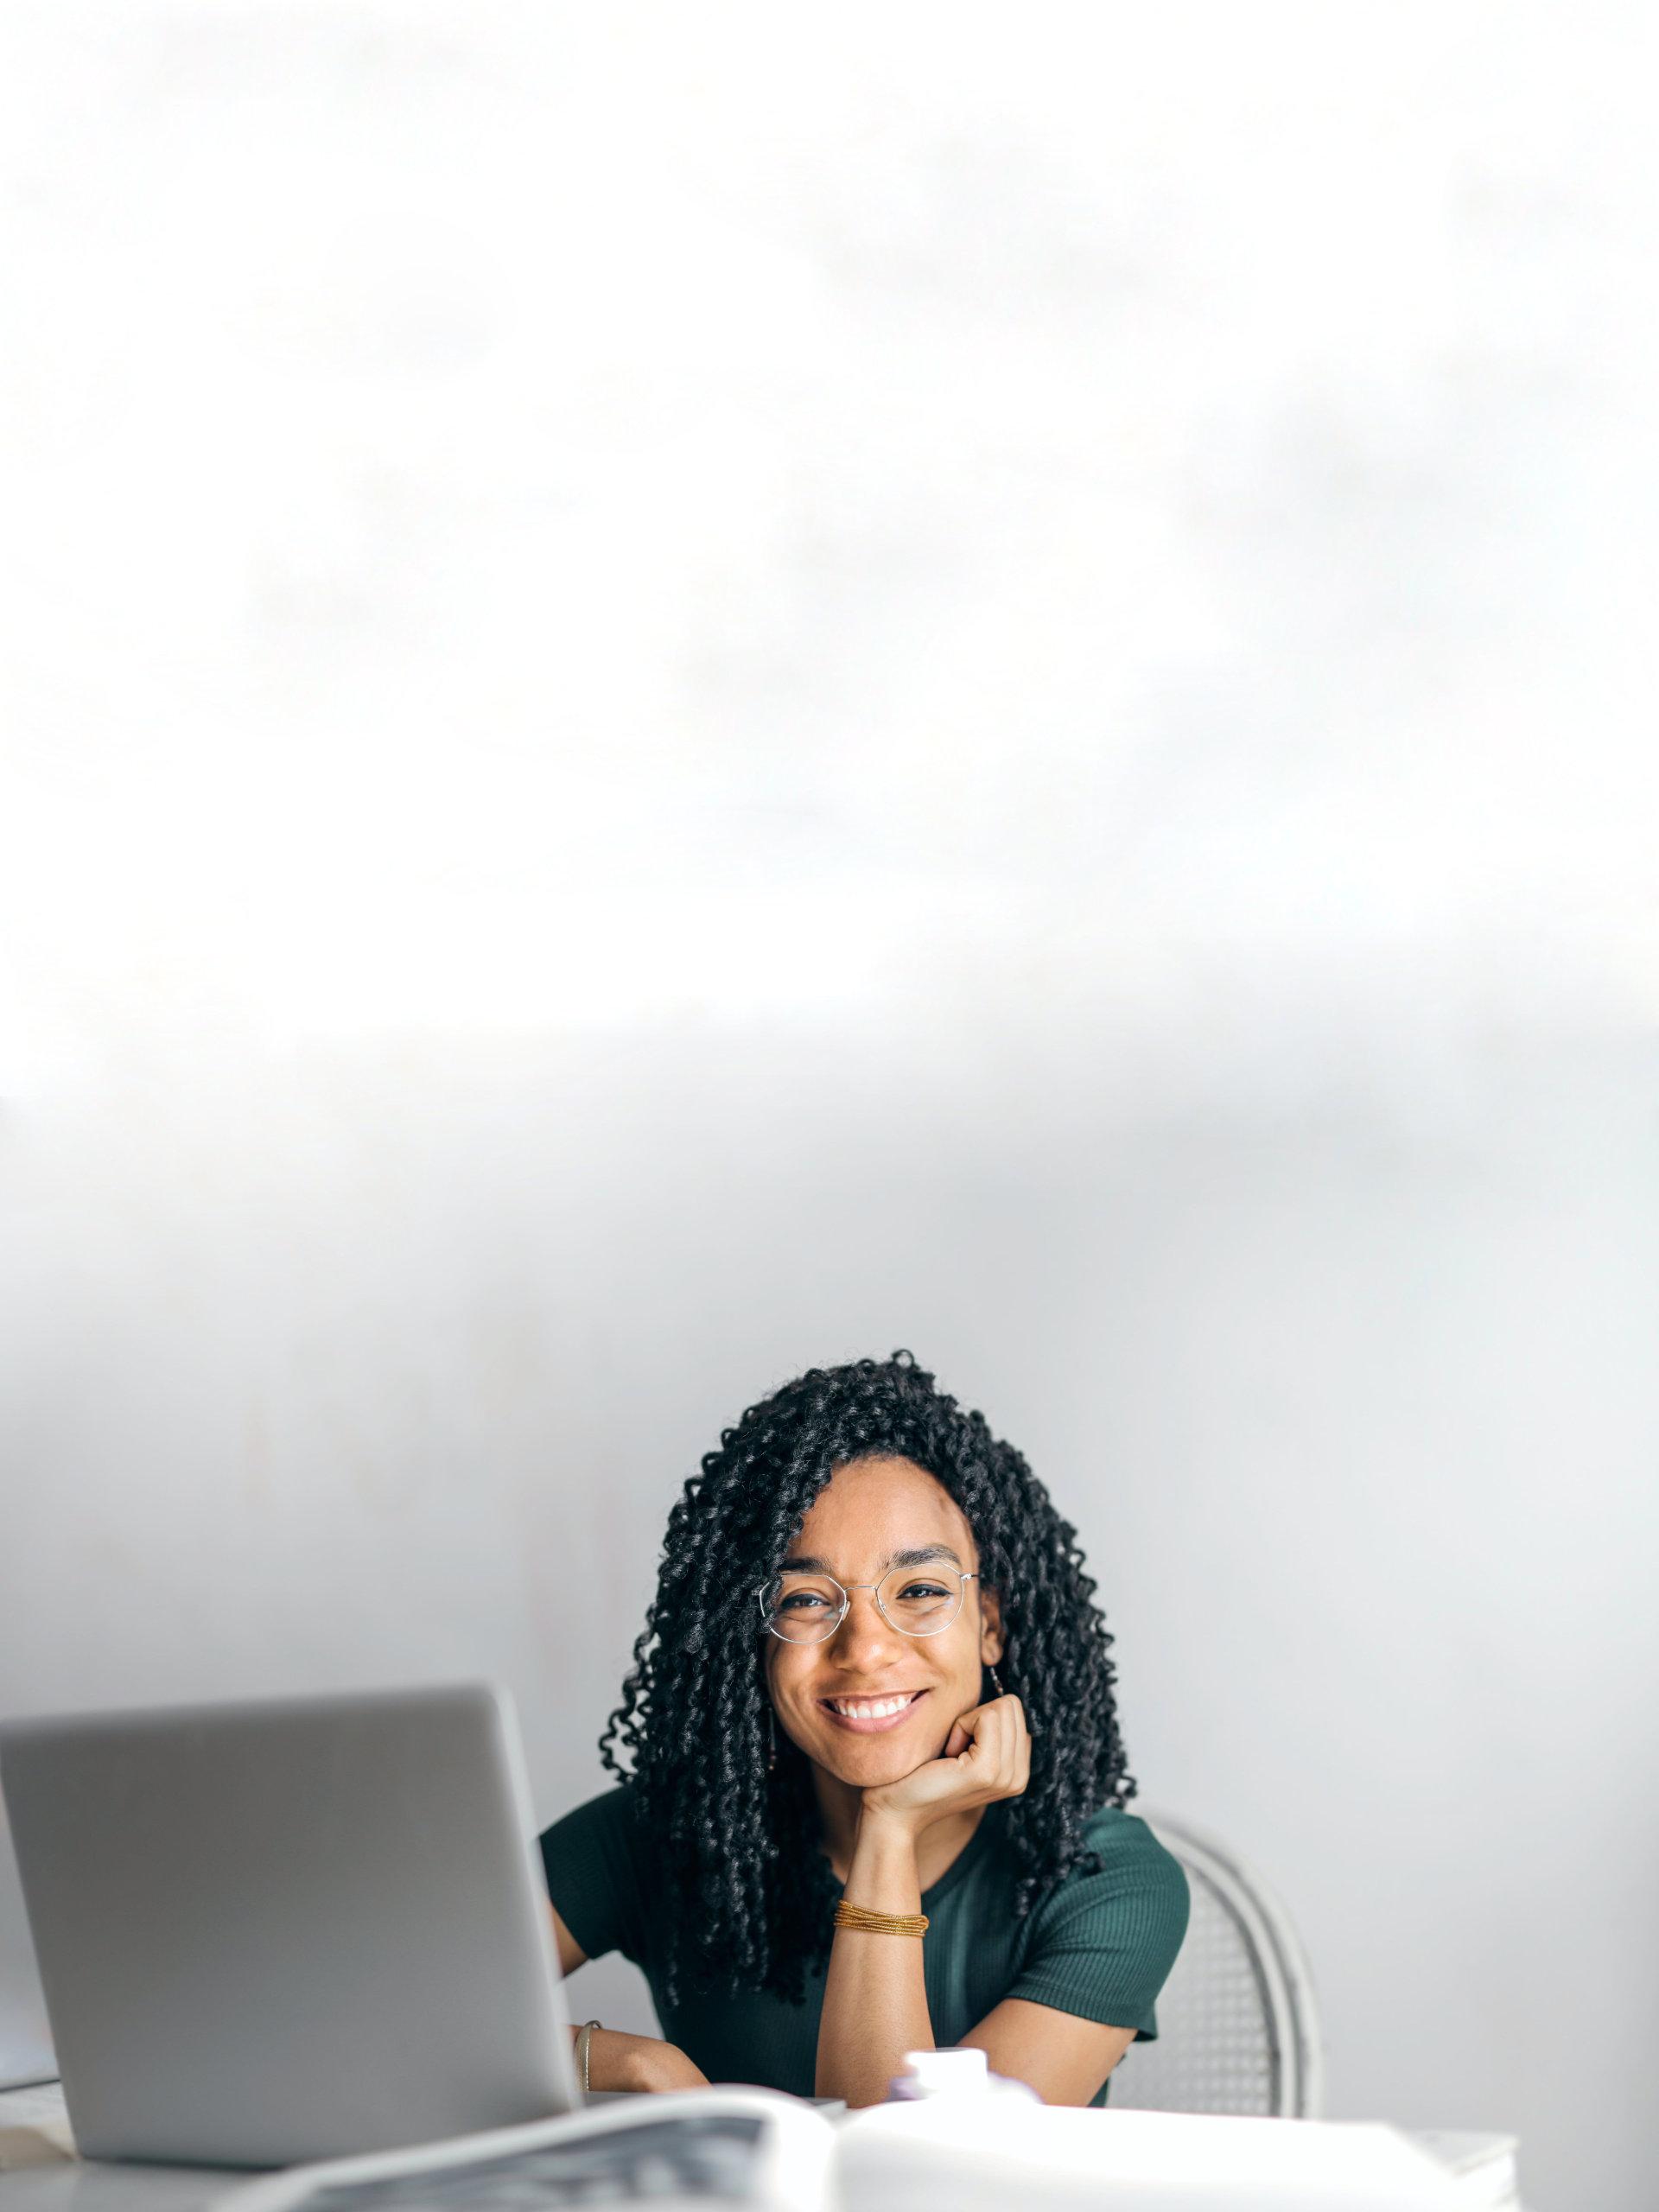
692 692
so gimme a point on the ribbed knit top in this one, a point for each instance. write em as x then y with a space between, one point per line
1100 1946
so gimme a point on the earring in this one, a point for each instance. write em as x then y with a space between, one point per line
772 1741
996 1683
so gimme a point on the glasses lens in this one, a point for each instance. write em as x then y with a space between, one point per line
803 1608
921 1600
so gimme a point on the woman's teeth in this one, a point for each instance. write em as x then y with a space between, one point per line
870 1708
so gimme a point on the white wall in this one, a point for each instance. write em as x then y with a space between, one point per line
691 692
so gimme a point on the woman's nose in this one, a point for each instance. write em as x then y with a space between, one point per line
864 1629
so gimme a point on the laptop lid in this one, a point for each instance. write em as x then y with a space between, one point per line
290 1930
25 2046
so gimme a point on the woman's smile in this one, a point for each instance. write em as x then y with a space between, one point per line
871 1716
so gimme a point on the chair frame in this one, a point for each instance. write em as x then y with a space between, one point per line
1277 1959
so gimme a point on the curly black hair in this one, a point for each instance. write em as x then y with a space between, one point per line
749 1885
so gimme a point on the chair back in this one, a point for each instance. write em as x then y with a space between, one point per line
1238 2026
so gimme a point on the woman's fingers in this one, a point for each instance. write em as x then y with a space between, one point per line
996 1746
967 1737
986 1756
1016 1746
1008 1762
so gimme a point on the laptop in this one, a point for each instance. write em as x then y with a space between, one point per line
25 2046
288 1930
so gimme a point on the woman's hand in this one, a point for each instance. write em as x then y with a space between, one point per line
987 1756
616 2061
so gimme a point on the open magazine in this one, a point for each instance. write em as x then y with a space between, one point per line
703 2146
774 2154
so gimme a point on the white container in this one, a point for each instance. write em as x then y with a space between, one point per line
960 2072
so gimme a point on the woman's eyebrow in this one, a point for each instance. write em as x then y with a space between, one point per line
804 1564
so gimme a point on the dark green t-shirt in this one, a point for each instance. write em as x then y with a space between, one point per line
1100 1946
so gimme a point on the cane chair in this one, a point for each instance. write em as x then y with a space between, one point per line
1238 2026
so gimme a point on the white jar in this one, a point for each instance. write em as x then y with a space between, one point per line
960 2072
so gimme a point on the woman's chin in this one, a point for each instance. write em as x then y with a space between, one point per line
871 1763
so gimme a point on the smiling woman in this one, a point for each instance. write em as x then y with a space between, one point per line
845 1834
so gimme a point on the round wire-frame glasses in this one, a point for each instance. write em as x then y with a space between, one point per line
799 1607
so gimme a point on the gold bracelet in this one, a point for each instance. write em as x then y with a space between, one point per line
584 2037
879 1923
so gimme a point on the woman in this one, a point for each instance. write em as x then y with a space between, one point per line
877 1786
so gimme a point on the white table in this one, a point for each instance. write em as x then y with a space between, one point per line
68 2184
59 2184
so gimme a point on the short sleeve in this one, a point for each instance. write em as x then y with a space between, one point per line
1103 1945
592 1861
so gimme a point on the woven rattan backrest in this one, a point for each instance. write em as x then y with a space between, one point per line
1238 2028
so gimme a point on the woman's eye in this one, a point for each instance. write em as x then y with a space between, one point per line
921 1590
798 1600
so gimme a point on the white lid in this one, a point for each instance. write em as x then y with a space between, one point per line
948 2073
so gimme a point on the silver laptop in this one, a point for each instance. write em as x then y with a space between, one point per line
25 2046
296 1929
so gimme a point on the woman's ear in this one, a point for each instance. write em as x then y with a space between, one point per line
992 1642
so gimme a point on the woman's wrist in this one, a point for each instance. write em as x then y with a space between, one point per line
883 1873
617 2060
889 1827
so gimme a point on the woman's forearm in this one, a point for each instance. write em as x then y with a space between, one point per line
874 1997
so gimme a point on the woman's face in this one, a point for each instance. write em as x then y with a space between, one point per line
869 1513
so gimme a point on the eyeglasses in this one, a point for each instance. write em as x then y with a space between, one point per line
916 1600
